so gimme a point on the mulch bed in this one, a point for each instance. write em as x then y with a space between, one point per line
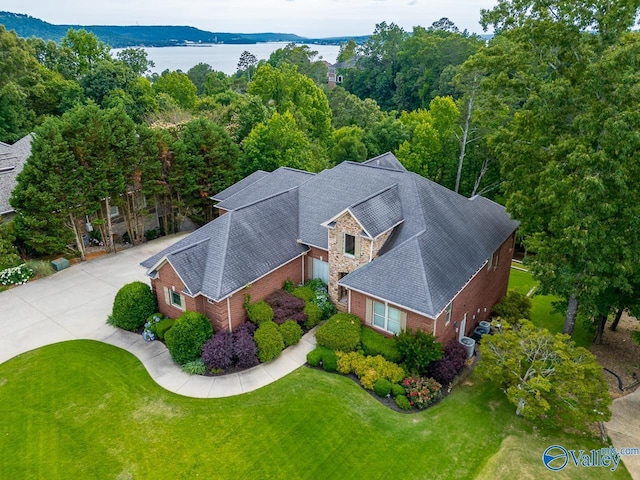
620 354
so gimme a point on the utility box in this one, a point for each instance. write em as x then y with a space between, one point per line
60 264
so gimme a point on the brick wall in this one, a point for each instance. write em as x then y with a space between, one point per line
476 299
218 312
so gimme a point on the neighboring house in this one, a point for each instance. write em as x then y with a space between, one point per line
12 160
396 249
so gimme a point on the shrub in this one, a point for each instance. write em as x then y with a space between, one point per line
41 268
397 390
422 392
244 348
217 352
322 299
382 387
446 369
195 367
403 402
163 326
134 303
291 333
187 336
305 293
369 369
259 312
340 332
288 286
316 284
514 306
314 315
285 306
314 357
329 361
269 341
374 343
247 327
418 350
15 275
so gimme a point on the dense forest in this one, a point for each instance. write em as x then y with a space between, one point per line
544 118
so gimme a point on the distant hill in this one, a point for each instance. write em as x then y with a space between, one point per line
151 36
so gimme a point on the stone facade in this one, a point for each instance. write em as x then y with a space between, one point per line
341 263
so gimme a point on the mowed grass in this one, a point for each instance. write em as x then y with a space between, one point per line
84 409
542 312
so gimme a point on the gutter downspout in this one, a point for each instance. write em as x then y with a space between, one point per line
229 312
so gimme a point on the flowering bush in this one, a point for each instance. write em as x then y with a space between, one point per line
422 392
15 275
322 298
149 333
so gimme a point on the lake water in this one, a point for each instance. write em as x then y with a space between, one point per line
221 57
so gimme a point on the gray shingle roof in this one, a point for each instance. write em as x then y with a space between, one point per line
386 160
278 181
380 212
236 248
442 241
12 160
239 186
426 271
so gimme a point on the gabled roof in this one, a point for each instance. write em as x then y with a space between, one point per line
426 271
278 181
439 239
236 248
12 160
239 186
386 160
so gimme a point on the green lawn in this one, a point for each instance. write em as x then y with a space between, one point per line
84 409
542 313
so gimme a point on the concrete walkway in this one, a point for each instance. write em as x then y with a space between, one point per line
624 429
74 304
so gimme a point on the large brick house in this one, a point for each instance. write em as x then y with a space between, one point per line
394 248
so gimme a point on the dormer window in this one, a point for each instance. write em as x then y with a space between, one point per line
349 244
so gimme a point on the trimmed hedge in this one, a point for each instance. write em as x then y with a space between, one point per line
341 332
369 369
269 341
305 293
134 303
330 361
163 326
291 333
374 343
397 389
187 336
259 312
382 387
403 402
319 354
314 315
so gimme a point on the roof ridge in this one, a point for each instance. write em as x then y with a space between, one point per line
295 170
263 199
224 258
373 195
378 167
187 247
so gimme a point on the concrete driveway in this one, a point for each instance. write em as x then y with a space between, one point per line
71 304
75 303
624 429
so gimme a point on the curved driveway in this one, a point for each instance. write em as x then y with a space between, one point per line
74 304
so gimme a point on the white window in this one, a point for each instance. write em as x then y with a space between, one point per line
176 299
448 310
321 270
349 244
386 317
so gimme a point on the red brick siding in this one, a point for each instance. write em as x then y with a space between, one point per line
218 312
482 292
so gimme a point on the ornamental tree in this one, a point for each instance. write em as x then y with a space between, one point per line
547 377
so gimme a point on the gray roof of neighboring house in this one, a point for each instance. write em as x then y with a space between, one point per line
241 185
440 240
236 248
12 160
380 212
278 181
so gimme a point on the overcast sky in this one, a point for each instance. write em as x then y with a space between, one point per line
310 18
